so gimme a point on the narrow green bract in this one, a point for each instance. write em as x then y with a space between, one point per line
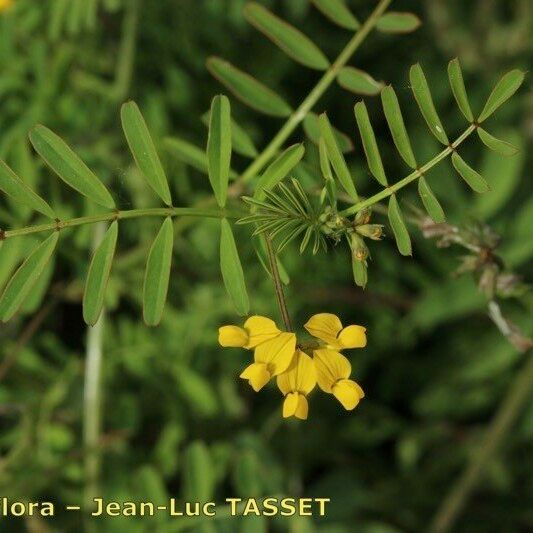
370 144
219 147
335 156
25 277
13 186
504 89
338 12
403 241
476 182
68 166
394 117
98 276
423 97
430 201
231 268
279 169
143 150
248 89
157 274
292 41
455 75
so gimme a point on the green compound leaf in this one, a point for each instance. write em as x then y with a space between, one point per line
504 89
394 117
13 186
219 148
143 150
475 181
248 89
455 75
430 201
423 97
403 241
25 277
497 145
337 12
358 81
312 130
292 41
68 166
398 22
98 276
231 268
370 144
335 156
187 153
279 168
157 274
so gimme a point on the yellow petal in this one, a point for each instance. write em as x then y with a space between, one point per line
260 329
232 336
330 367
295 405
353 337
324 326
257 375
348 392
300 376
303 408
277 353
290 404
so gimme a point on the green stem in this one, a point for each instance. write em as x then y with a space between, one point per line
391 189
499 428
92 401
122 215
312 98
278 286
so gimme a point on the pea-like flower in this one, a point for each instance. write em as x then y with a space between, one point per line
296 383
332 372
277 353
328 328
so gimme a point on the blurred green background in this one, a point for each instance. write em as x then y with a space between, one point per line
176 420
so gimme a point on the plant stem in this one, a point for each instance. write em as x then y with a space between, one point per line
499 428
278 286
391 189
92 397
121 215
312 98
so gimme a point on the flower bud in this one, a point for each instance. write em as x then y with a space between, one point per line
362 217
358 247
372 231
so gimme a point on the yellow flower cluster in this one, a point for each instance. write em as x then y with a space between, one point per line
298 368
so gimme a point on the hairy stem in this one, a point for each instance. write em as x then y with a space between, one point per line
312 98
499 428
278 286
122 215
391 189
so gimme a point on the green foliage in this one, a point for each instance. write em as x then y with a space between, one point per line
176 420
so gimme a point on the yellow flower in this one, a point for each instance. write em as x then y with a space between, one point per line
271 358
295 384
257 329
4 4
328 328
332 372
